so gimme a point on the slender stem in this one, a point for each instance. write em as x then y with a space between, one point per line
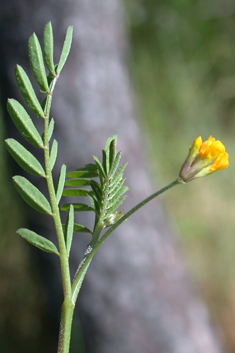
68 307
82 269
84 264
56 213
96 234
136 208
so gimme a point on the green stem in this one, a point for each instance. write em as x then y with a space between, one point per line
65 326
136 208
68 307
96 234
82 269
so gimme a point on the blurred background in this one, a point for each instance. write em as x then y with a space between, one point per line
182 67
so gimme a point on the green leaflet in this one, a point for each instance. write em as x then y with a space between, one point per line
32 196
24 158
77 207
116 196
38 241
78 182
89 171
77 192
97 190
100 167
115 205
115 164
51 128
53 154
112 153
115 186
48 45
82 174
95 204
37 63
69 229
24 123
65 50
78 228
118 175
27 91
105 162
60 184
110 150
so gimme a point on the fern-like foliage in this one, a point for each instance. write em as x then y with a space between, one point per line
107 194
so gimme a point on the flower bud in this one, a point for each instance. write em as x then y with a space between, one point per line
203 159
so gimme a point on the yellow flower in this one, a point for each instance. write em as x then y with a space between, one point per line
203 159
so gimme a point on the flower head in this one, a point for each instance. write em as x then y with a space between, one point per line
203 159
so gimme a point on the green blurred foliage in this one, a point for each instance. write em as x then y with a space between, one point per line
183 64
